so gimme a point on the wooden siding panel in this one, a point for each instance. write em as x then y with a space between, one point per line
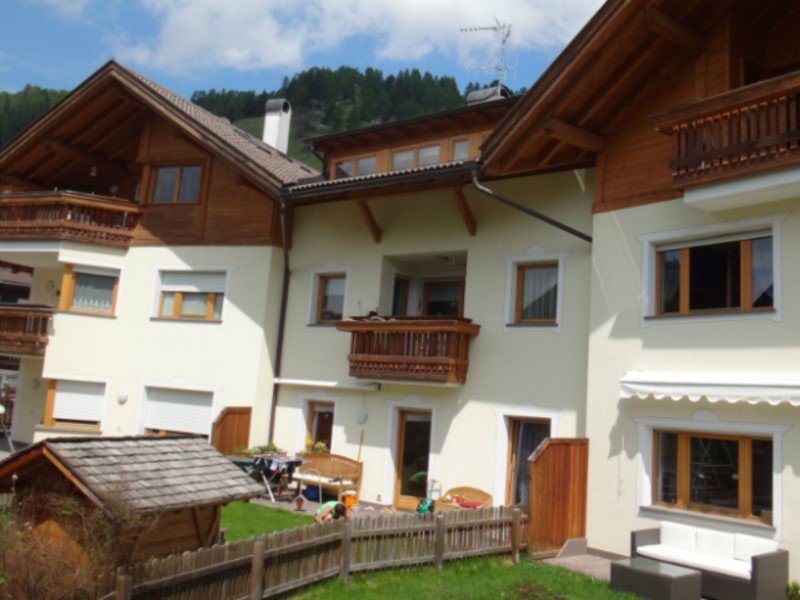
782 50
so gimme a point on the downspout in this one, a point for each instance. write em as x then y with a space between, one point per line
528 211
281 321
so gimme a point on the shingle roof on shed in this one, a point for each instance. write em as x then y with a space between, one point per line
150 473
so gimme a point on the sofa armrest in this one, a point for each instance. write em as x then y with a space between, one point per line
644 537
770 574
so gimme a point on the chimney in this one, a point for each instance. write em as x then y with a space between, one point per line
277 118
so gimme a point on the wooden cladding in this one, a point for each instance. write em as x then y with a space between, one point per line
750 129
69 216
24 329
557 479
417 348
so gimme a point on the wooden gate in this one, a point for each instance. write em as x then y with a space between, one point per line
231 429
557 473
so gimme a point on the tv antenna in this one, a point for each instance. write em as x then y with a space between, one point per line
501 67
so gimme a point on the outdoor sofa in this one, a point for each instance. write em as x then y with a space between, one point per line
734 566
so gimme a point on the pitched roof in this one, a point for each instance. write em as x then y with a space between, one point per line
147 473
262 162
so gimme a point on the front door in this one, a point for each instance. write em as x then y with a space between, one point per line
413 451
526 435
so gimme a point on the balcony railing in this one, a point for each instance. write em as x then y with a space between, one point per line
417 348
24 329
749 129
72 216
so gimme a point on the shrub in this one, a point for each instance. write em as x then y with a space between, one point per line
793 591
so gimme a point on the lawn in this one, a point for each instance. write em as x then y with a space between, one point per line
243 520
476 578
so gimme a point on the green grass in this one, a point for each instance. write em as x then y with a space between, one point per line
243 520
476 579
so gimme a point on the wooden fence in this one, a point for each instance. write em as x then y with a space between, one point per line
283 561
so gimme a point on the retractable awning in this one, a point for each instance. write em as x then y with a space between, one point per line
752 388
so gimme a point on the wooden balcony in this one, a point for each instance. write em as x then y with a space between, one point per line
72 216
24 329
747 130
417 348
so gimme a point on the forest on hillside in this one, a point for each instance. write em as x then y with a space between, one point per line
323 101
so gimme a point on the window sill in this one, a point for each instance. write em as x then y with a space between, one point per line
706 316
537 325
87 313
187 320
700 518
70 428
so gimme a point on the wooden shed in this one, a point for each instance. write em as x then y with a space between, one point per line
177 485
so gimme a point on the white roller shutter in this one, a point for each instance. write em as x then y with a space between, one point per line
178 410
79 401
192 281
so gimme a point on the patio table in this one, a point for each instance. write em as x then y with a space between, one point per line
654 579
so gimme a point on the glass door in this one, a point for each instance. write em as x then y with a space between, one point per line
526 435
413 451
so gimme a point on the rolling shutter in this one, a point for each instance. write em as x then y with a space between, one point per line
178 410
192 281
79 401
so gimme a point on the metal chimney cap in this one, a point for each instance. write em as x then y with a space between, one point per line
488 94
278 105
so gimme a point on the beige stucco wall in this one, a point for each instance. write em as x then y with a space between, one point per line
133 349
520 372
620 342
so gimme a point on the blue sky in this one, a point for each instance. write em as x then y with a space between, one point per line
187 45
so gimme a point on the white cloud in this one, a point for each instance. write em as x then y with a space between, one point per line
195 35
69 9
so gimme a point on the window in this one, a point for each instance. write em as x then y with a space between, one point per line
178 411
365 165
319 422
731 275
460 149
730 475
89 290
427 156
402 160
197 295
537 294
443 299
77 404
330 297
177 185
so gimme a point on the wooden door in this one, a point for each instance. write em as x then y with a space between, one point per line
231 429
320 422
524 437
413 453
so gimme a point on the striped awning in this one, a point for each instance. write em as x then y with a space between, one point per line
752 388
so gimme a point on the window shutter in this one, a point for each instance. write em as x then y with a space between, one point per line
178 410
79 401
193 281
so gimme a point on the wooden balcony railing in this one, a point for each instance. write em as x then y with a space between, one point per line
73 216
24 329
419 348
749 129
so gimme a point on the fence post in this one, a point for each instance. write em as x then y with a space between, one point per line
347 539
516 534
257 571
438 543
124 585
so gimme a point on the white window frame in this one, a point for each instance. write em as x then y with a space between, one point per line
534 256
652 243
157 288
706 421
330 268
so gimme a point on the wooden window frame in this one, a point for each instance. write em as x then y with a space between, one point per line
177 304
67 294
176 190
745 277
426 292
520 270
458 140
312 406
49 421
683 471
354 159
322 279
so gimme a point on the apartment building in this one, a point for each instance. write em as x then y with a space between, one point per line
693 383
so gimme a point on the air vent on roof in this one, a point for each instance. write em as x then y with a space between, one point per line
277 119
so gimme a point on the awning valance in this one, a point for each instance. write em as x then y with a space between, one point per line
753 388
